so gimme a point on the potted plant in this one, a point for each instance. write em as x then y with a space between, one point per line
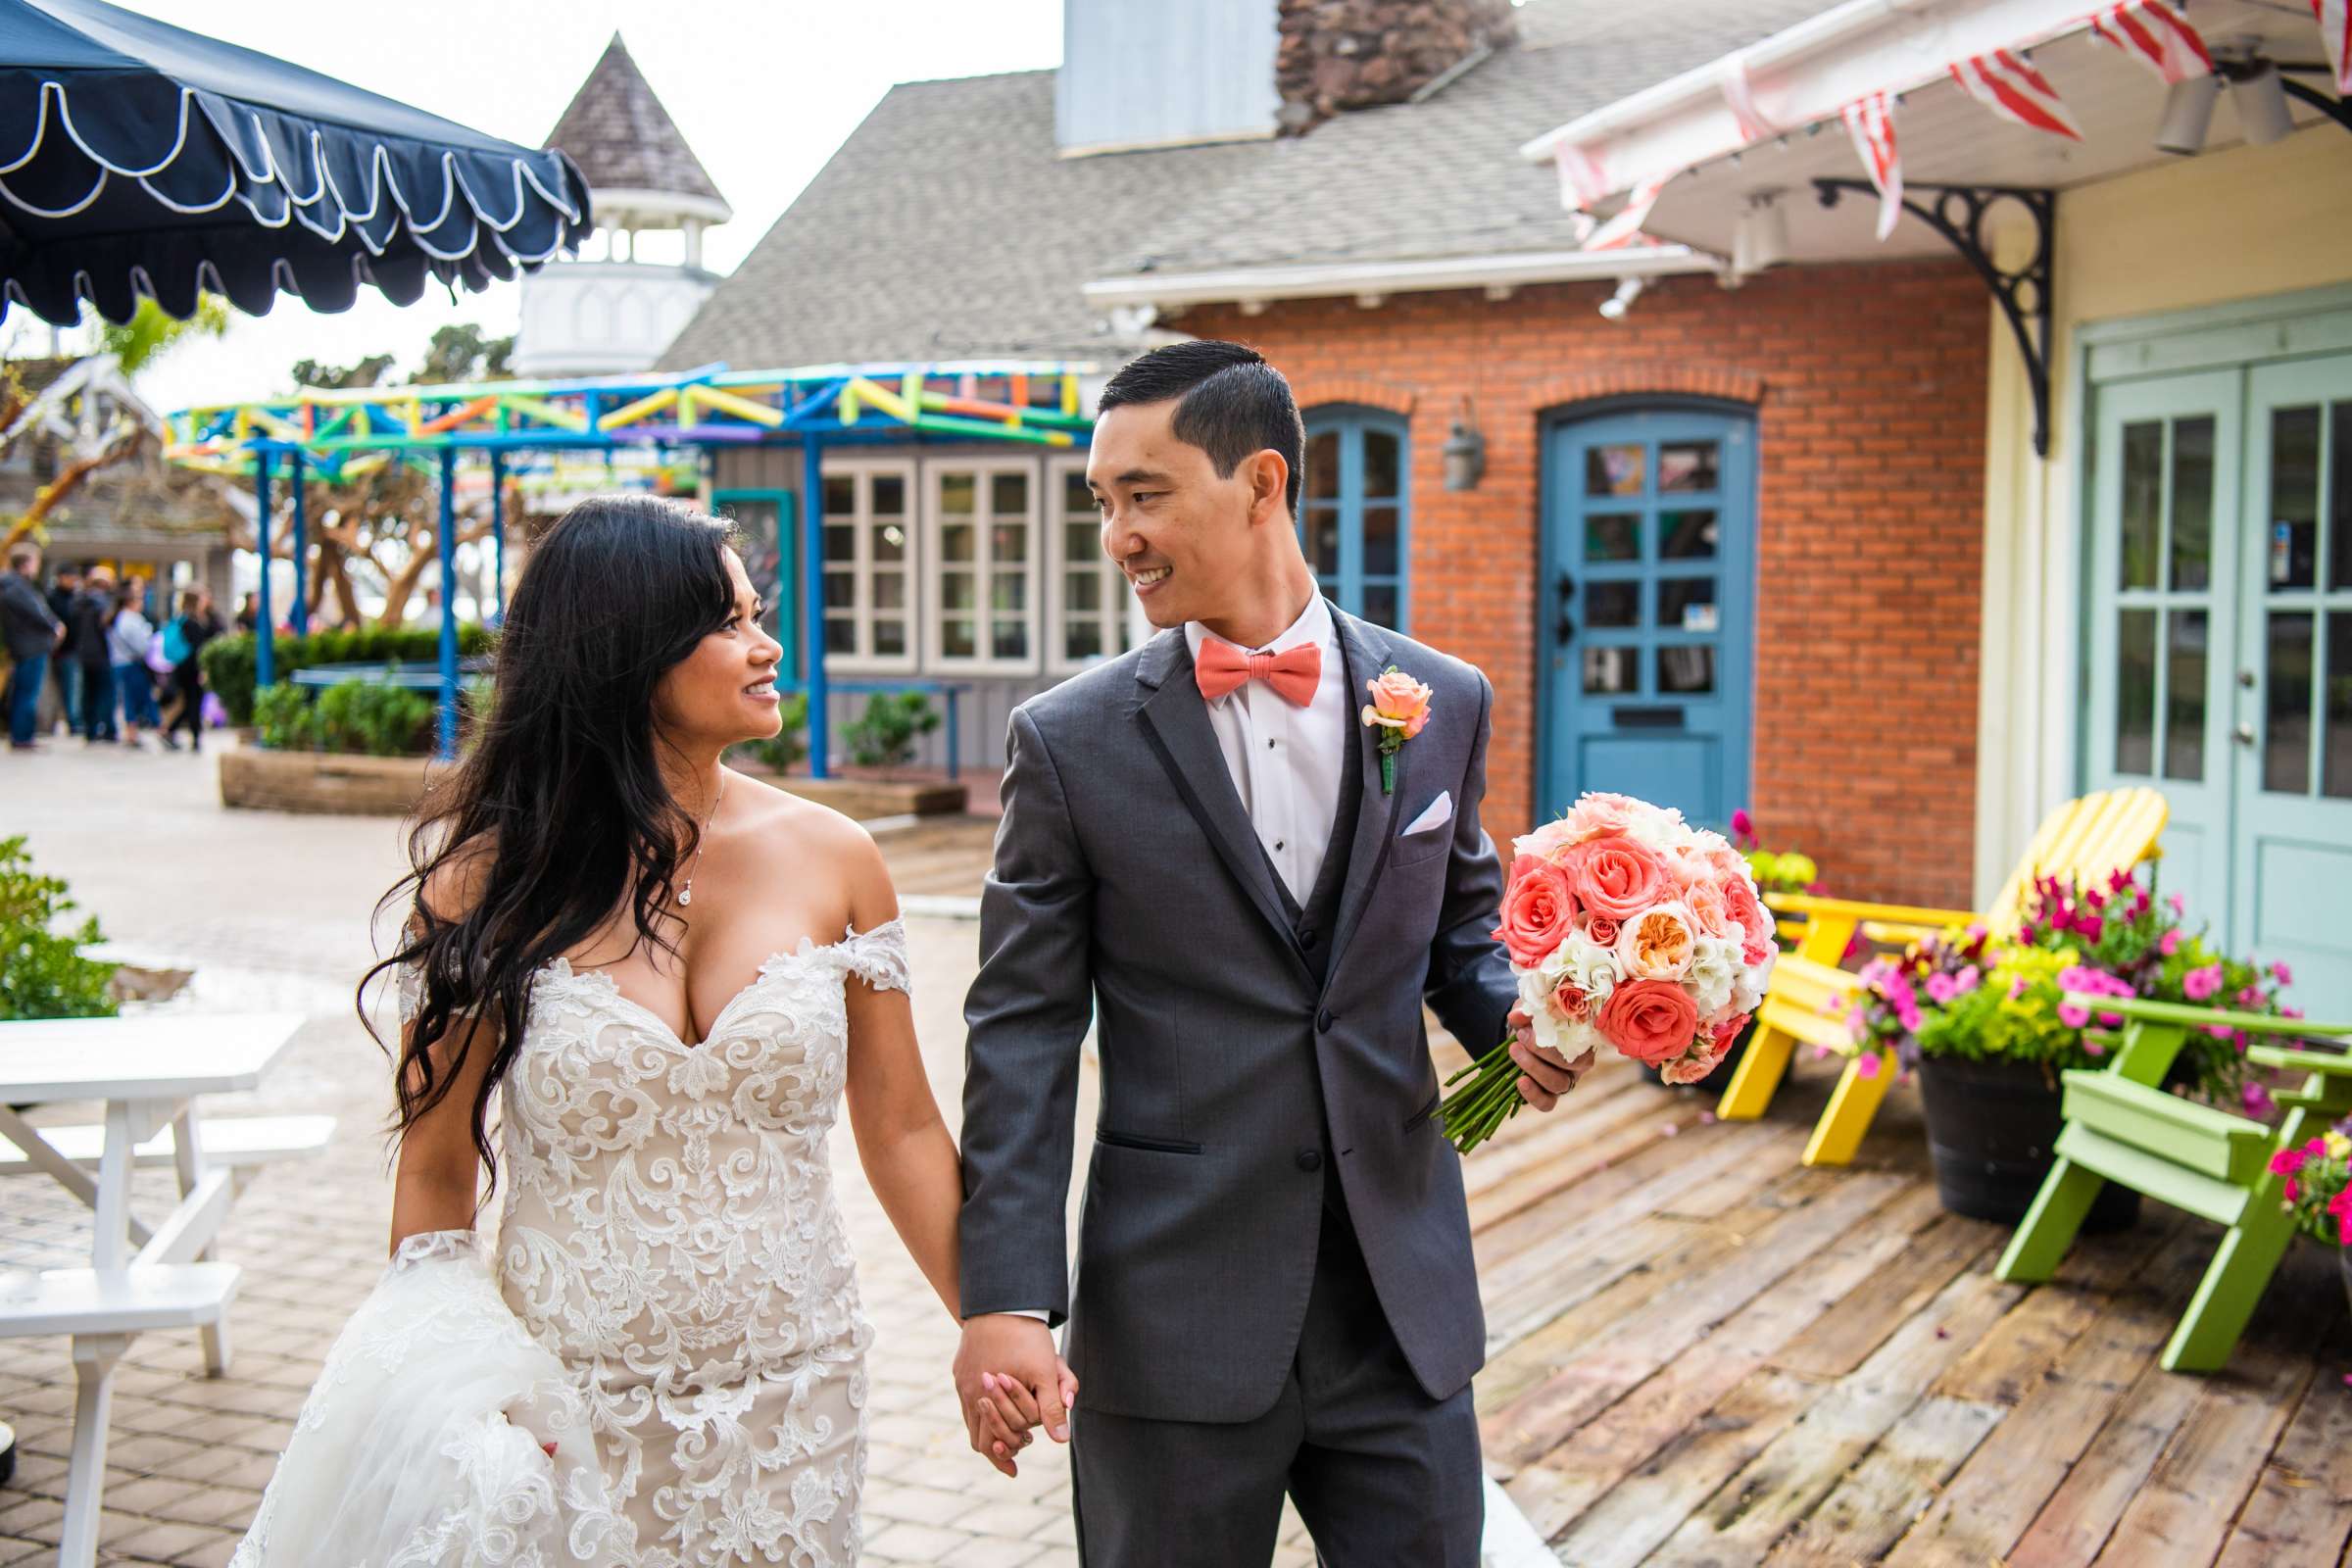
2319 1190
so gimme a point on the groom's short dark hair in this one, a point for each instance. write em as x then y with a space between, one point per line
1229 403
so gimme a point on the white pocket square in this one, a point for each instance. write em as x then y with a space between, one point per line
1437 813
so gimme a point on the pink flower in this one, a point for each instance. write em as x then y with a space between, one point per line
2092 1048
2258 1102
2017 987
2287 1161
1615 876
1571 1003
2199 985
2180 904
1601 930
1538 911
2294 1190
1550 842
2285 976
1651 1021
1740 902
1706 904
1729 1030
1399 702
2073 1014
1743 826
1598 812
2169 943
1867 1065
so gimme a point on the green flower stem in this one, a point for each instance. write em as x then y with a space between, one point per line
1473 1115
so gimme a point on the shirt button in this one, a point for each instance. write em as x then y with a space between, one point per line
1278 844
1324 1020
1310 1160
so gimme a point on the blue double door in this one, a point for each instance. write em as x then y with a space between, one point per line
1646 615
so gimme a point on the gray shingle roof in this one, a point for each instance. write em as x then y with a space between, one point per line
946 226
622 138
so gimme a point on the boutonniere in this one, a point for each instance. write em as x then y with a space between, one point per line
1399 710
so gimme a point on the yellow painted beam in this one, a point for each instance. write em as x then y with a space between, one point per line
742 408
631 413
548 414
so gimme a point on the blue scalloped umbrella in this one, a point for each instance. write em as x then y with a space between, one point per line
137 159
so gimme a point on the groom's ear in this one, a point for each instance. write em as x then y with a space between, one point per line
1268 474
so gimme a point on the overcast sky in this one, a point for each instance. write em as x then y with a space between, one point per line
764 89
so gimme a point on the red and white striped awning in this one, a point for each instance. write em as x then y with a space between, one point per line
2041 94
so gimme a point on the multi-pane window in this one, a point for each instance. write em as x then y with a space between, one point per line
1091 597
869 565
984 565
1353 517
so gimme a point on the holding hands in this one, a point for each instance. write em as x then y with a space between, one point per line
1008 1382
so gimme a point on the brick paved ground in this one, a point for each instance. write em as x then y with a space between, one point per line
273 911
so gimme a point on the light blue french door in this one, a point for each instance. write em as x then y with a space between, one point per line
770 548
1645 617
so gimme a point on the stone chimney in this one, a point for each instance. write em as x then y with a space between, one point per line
1338 55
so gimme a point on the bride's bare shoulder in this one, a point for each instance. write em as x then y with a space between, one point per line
792 834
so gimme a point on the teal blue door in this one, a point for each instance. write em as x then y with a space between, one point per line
1645 612
2219 648
770 548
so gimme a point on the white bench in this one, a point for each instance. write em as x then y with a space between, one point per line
235 1142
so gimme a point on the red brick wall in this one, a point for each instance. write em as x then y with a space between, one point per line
1868 384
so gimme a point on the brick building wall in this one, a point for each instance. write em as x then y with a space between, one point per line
1868 386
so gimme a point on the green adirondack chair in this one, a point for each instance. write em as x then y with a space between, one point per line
2121 1127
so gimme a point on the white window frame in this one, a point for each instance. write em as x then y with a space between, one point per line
984 472
1119 608
862 471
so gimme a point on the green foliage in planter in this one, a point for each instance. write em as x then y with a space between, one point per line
884 735
229 660
2012 1015
782 750
361 718
43 974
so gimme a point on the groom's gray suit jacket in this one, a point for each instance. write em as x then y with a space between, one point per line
1128 880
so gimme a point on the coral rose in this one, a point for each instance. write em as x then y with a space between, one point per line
1538 910
1705 903
1755 922
1399 702
1616 877
1651 1021
1598 813
1601 930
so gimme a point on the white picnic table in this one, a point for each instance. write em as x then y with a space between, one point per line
149 1071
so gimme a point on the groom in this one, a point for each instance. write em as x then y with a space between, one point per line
1199 851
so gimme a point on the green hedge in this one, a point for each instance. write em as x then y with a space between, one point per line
229 660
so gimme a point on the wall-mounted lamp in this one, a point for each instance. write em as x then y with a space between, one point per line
1761 238
2260 100
1465 453
2188 114
1629 289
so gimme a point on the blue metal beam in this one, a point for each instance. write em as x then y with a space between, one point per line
813 588
265 651
448 749
298 615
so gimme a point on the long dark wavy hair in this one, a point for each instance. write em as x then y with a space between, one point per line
559 811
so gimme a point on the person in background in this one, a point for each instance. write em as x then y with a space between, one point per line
249 612
65 671
91 612
32 633
184 640
127 637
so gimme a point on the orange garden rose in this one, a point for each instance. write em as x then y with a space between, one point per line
1659 946
1538 911
1653 1021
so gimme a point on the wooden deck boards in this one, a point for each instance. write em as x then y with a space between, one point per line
1702 1353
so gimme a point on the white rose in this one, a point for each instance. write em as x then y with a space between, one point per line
1715 973
1591 967
1551 1031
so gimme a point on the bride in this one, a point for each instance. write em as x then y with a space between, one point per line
666 976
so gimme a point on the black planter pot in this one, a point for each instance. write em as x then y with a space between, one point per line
1717 1081
1991 1128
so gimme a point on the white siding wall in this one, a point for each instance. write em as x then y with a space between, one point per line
1156 72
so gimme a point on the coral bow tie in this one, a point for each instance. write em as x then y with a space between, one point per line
1294 673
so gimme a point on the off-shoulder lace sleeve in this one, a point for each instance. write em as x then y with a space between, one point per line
408 990
878 956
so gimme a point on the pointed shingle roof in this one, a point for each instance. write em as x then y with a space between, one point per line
622 138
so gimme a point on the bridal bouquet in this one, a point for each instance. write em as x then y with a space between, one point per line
1626 926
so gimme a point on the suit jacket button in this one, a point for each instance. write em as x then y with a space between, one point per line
1323 1021
1310 1160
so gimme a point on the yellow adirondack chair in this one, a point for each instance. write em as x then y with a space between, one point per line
2085 839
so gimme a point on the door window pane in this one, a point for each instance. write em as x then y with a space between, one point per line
1009 493
956 541
1687 466
1009 541
2184 696
1686 671
1323 466
2286 728
1081 542
2136 692
841 634
1610 605
2192 503
840 541
1380 541
890 639
1082 639
890 541
890 495
841 495
1613 537
955 638
841 589
2292 540
1612 672
1687 536
1075 496
1323 543
1082 591
1380 464
1380 604
1686 603
1614 470
1012 639
2335 767
2339 497
2142 503
958 493
955 590
890 590
1010 592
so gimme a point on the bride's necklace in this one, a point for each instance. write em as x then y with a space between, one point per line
702 841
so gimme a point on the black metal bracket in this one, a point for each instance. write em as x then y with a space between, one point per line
1958 213
2335 109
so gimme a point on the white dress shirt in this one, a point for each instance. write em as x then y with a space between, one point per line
1284 761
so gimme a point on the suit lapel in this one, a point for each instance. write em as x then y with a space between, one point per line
1367 654
1175 724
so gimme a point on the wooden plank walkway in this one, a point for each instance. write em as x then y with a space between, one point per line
1704 1353
941 855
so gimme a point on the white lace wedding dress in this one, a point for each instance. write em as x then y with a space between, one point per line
664 1366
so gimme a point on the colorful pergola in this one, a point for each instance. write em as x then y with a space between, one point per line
346 435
